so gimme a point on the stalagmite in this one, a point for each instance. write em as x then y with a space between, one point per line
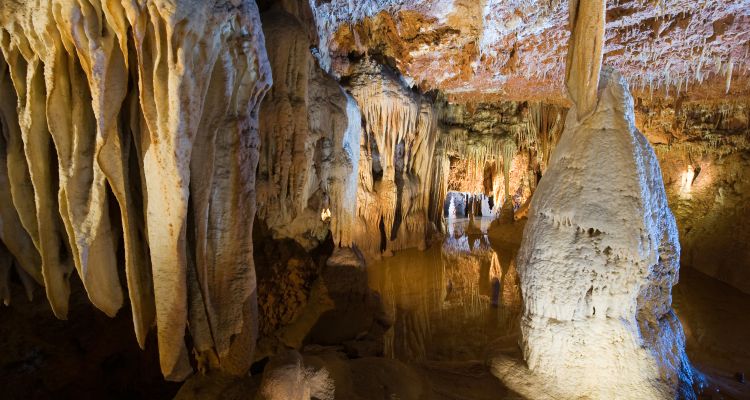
597 317
600 255
113 98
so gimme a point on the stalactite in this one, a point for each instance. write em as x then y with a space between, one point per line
310 133
586 20
730 69
509 152
102 88
12 232
401 133
439 180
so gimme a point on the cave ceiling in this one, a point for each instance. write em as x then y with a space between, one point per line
488 50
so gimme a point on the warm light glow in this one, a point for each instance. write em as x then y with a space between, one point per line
325 215
687 180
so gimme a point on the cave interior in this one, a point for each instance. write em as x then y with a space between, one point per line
375 199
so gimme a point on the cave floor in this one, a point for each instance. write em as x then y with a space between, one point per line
440 304
451 306
714 316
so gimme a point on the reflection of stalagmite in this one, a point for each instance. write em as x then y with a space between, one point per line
103 103
452 209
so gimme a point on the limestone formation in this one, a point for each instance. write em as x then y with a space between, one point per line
287 378
103 105
396 162
310 134
516 49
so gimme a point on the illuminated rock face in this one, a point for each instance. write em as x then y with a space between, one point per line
706 163
150 106
599 257
310 134
396 162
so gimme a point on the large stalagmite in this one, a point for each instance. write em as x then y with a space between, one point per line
111 99
600 255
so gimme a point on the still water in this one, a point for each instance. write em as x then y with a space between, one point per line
450 301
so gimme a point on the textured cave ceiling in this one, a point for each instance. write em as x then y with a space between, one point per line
482 50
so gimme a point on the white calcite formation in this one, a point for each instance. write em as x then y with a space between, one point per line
131 126
310 137
599 257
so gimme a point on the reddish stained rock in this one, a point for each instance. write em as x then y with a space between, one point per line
513 50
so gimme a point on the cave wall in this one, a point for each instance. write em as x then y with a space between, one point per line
704 152
102 107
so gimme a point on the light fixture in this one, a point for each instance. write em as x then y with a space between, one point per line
686 181
325 215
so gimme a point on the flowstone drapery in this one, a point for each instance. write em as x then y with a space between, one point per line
132 126
310 134
395 163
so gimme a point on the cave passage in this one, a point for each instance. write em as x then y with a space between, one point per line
371 199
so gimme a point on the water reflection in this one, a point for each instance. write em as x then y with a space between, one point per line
449 302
